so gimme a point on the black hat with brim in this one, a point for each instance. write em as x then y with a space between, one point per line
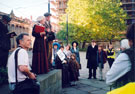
47 14
7 18
75 42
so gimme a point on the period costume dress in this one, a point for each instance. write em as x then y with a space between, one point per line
60 64
50 37
68 53
39 60
73 69
76 52
55 50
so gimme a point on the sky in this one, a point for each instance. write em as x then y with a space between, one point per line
25 8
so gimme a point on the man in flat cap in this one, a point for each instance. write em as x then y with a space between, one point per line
50 37
4 40
47 14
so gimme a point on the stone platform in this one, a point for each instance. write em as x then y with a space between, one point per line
50 83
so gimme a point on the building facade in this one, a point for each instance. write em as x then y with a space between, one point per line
18 25
58 8
129 7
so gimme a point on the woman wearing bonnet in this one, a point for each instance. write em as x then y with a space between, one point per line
39 60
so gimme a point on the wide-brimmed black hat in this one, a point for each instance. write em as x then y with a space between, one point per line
75 42
47 14
7 18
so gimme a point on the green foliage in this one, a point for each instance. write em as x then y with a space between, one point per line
93 19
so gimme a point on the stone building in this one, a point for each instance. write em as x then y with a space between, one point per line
129 7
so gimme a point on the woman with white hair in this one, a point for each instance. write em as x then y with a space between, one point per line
39 60
124 44
123 68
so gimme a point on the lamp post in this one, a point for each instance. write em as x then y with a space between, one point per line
49 6
67 28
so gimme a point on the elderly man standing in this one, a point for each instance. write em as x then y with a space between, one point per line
50 37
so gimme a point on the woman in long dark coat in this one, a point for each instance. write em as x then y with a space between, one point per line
91 56
75 50
39 60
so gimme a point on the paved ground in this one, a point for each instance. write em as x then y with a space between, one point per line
88 86
84 85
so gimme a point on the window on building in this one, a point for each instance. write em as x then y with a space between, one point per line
130 0
60 4
129 21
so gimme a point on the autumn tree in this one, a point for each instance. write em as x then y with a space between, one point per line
94 19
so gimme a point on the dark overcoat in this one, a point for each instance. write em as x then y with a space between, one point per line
4 37
4 45
91 56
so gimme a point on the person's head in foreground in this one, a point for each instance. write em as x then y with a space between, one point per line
131 35
23 40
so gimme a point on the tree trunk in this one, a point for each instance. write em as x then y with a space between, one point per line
110 41
83 45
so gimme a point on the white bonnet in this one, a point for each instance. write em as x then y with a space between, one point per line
40 18
124 44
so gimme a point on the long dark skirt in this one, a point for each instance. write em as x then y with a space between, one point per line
40 63
65 76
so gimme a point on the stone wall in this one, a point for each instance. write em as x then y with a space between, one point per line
50 83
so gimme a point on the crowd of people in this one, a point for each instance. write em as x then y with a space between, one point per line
19 69
48 54
96 58
66 60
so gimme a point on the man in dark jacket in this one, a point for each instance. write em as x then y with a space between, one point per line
91 55
4 40
50 37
